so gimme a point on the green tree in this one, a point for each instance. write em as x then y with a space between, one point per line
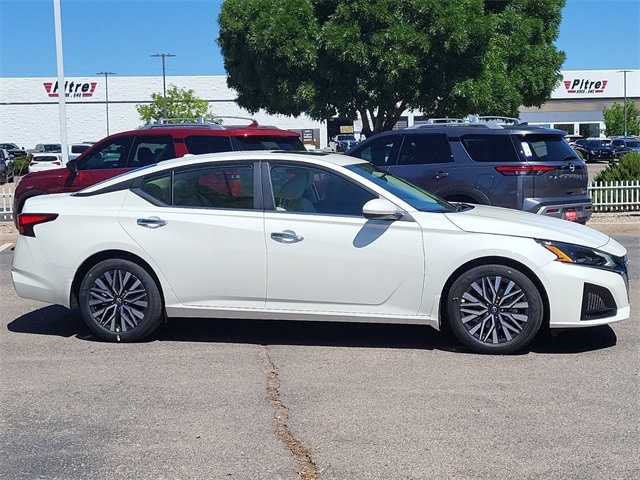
378 59
614 119
181 103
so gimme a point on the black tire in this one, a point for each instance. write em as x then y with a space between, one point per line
494 309
120 301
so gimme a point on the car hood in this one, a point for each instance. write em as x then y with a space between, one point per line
505 221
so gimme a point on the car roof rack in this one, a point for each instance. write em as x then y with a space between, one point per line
482 121
208 122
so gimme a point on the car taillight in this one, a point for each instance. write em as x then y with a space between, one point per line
27 221
524 170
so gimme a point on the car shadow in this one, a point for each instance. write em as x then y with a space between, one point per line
59 321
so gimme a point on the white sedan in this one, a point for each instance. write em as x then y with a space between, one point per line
41 161
307 236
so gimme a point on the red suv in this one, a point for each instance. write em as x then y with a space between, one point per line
124 151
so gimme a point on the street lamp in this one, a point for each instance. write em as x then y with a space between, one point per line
106 89
625 99
164 84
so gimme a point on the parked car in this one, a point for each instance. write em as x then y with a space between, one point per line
342 142
6 167
594 150
13 150
496 162
622 145
42 161
571 138
48 148
45 148
304 236
124 151
75 149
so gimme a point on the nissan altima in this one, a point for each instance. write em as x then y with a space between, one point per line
310 236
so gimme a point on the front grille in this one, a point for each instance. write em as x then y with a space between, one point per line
597 302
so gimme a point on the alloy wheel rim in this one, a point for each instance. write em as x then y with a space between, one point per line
494 310
118 301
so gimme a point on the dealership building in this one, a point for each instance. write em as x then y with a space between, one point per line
96 106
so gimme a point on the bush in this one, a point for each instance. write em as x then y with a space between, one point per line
20 165
628 168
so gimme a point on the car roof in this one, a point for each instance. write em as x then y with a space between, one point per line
301 157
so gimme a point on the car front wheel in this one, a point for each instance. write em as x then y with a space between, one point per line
494 309
120 301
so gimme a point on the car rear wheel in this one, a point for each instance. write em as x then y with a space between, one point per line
494 309
120 301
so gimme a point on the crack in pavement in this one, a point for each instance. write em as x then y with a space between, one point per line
301 453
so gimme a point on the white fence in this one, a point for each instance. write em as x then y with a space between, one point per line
6 204
606 197
615 196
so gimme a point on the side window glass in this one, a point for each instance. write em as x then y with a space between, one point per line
490 148
214 186
109 155
425 149
150 149
380 151
198 144
310 190
254 142
158 188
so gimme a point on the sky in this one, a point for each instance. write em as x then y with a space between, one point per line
120 36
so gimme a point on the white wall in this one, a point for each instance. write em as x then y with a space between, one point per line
29 115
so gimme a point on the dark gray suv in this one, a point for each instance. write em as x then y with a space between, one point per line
511 165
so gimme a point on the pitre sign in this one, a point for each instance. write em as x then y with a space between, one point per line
579 85
71 89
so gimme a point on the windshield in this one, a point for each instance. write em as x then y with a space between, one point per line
416 197
632 143
596 143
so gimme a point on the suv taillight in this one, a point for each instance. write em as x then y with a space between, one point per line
521 170
26 222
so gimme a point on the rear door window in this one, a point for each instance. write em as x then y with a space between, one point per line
213 186
148 149
425 149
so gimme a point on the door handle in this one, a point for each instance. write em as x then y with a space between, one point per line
151 222
287 236
442 174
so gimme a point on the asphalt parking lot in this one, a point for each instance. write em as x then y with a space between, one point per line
305 400
295 400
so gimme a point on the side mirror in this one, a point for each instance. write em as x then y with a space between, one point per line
72 166
381 209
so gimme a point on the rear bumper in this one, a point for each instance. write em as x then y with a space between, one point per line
579 211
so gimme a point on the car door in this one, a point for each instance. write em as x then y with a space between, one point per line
323 255
200 227
425 159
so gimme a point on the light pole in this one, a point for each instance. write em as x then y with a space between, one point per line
624 72
164 83
106 90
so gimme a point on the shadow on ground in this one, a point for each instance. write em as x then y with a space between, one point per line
59 321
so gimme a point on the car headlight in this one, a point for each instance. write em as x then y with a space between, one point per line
585 256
